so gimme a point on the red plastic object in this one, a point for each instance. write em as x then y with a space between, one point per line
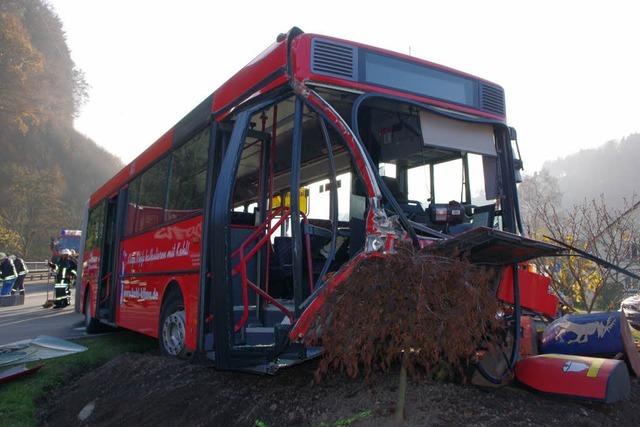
591 378
535 293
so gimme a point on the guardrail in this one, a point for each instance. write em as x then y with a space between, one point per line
38 270
38 275
36 265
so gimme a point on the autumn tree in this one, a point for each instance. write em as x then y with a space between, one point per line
47 169
10 241
37 208
591 226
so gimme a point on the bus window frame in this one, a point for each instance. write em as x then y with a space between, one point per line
228 355
509 208
169 153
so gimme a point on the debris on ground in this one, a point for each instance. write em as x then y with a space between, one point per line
15 372
42 347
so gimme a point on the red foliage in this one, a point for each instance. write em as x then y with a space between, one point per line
438 310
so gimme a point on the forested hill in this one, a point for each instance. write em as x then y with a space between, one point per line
612 170
47 169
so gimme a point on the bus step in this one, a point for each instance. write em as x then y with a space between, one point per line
208 341
272 314
238 310
259 335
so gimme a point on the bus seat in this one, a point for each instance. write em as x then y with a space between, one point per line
281 268
282 251
394 187
413 209
243 218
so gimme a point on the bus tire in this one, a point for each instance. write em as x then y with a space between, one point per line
91 324
173 327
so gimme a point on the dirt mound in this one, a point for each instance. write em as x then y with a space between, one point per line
143 390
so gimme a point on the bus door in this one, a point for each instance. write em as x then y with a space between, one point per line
108 270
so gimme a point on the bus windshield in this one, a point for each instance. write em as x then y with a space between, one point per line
442 171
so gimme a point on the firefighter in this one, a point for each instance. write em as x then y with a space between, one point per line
65 270
65 267
21 269
8 274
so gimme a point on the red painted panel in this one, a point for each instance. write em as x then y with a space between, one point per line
310 314
271 60
148 263
535 291
90 272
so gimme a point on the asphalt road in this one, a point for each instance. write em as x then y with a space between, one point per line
30 320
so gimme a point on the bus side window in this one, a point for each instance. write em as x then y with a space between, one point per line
152 194
188 177
94 227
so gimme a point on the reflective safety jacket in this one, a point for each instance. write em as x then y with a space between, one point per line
21 267
64 268
8 269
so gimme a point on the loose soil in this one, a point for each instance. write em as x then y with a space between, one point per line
149 390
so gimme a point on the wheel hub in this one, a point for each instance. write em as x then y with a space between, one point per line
173 333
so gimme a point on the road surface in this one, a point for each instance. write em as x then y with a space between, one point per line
30 320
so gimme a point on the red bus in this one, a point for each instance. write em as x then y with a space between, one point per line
223 237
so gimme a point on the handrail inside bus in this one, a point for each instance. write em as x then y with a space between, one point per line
241 266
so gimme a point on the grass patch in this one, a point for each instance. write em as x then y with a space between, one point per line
18 399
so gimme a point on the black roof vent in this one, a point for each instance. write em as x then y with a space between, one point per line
492 99
334 59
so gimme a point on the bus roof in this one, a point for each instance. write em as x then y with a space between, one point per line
309 54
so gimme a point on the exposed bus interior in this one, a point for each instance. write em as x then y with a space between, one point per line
263 229
441 171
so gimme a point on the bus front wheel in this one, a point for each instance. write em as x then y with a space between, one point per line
173 327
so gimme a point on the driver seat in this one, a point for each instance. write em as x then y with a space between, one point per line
410 207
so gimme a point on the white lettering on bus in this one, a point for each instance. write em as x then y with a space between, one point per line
150 255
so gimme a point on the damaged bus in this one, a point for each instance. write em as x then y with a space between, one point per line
224 237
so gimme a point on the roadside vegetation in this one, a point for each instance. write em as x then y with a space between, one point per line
19 400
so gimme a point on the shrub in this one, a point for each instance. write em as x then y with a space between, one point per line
428 312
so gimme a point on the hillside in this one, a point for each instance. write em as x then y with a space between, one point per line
47 169
611 170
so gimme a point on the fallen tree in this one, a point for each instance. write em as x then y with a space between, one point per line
428 314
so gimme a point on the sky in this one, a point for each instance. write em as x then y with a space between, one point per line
570 69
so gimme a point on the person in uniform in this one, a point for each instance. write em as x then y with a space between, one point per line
8 274
66 266
21 269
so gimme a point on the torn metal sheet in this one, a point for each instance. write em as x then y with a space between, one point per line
484 245
40 348
16 372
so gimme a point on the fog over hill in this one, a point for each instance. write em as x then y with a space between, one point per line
47 169
611 170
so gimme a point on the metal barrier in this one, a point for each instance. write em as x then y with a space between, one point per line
38 275
38 270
